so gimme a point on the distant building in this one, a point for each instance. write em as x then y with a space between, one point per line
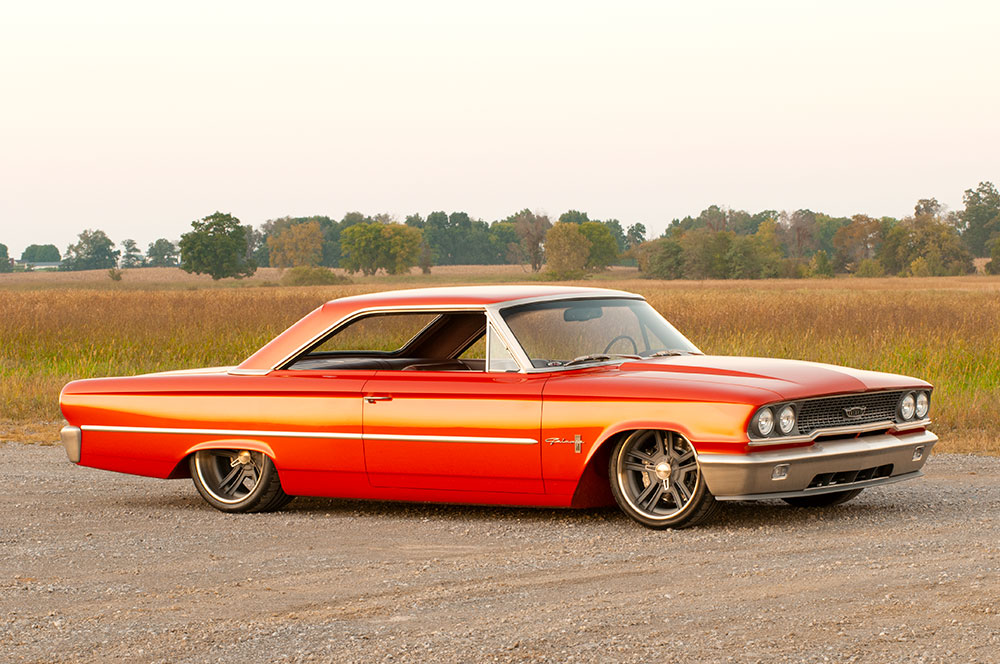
39 265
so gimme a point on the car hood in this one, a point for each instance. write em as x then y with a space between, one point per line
761 379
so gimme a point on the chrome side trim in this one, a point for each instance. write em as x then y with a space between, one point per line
72 440
248 372
836 431
451 439
312 434
224 432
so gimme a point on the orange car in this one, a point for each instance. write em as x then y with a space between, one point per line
506 395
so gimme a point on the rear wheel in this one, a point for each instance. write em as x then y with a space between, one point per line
237 480
656 480
823 499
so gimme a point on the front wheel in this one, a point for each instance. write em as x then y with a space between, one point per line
656 480
237 480
823 499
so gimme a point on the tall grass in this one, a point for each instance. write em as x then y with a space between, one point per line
947 332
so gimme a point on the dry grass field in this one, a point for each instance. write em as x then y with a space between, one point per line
55 327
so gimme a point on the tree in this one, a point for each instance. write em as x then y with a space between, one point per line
929 238
573 217
301 244
566 251
131 256
743 259
820 265
799 230
856 242
981 218
94 251
161 253
618 233
927 206
635 235
5 265
531 229
217 245
705 253
662 258
40 253
603 248
993 266
370 247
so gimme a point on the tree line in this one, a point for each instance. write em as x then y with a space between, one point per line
719 243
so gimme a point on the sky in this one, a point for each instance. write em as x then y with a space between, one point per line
137 118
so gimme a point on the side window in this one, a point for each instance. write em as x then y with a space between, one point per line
499 358
379 332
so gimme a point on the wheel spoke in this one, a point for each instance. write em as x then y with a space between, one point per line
678 500
686 467
232 480
632 465
684 492
680 458
660 445
655 497
646 492
642 456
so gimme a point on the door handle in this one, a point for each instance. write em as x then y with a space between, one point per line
372 399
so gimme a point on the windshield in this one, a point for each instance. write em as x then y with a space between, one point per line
565 332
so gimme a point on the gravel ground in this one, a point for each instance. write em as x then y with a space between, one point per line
99 567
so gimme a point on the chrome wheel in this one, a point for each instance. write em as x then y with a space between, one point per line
656 480
229 475
237 480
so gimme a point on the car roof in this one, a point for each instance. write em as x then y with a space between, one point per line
470 295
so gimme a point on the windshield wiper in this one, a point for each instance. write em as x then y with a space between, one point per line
599 357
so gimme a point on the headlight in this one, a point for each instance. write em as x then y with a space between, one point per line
786 420
907 406
923 405
764 421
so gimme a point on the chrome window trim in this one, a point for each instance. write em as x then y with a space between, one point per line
834 431
368 311
492 313
311 434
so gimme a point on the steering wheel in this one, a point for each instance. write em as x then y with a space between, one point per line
635 347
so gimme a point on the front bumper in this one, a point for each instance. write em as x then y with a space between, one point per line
832 465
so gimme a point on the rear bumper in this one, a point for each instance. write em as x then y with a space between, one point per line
72 440
831 465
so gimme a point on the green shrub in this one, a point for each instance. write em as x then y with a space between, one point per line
869 267
307 275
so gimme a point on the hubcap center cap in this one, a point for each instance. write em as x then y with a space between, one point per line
662 470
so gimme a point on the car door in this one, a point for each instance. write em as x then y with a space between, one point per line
468 431
319 413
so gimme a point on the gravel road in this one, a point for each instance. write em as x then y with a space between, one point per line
100 567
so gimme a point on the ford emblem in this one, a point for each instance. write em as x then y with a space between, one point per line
854 412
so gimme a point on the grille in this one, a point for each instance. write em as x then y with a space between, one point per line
830 412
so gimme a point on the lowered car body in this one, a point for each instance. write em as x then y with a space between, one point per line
512 395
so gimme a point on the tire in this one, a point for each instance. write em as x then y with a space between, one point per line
237 480
823 499
657 481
